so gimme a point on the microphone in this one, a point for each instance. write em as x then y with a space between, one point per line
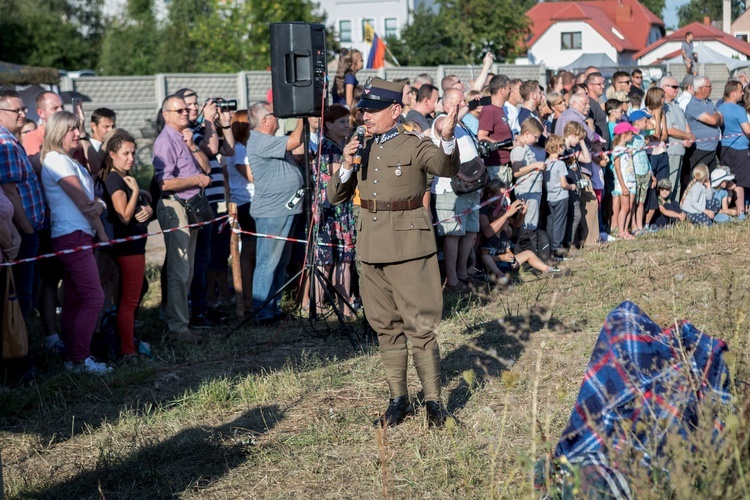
357 160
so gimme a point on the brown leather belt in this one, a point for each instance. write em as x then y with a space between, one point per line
390 206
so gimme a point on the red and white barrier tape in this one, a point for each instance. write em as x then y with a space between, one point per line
107 243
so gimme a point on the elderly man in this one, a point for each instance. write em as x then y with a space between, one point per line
206 137
275 207
396 244
678 130
591 196
459 231
21 185
47 104
705 122
181 171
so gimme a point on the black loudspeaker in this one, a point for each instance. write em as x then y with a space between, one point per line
298 69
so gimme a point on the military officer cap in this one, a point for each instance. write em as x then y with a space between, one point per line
379 94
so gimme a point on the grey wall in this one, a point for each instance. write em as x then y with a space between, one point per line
137 98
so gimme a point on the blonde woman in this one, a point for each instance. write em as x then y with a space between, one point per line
74 222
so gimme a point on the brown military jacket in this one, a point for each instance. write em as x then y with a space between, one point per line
395 170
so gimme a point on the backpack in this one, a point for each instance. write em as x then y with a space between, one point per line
538 242
472 176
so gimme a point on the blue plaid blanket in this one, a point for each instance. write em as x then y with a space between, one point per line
642 383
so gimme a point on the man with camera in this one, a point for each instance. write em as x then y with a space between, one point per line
209 247
275 207
181 171
400 278
494 127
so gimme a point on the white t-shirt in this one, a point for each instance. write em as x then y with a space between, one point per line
467 151
65 217
241 191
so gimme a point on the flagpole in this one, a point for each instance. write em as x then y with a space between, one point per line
391 54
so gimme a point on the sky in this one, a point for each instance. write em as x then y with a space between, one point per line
670 12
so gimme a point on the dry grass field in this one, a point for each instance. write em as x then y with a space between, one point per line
280 413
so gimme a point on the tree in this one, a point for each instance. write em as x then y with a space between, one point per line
180 50
58 33
697 10
655 6
132 42
462 32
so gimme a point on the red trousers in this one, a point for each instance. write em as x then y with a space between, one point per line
132 269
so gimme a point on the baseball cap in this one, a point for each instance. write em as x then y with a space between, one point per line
624 127
637 115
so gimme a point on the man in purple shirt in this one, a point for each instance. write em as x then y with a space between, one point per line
181 170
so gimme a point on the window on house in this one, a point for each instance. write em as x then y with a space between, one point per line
391 26
365 22
345 31
742 36
571 41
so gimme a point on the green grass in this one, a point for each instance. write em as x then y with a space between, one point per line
282 414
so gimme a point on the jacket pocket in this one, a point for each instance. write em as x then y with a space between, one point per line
410 223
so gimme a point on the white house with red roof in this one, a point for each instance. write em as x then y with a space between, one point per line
561 32
706 34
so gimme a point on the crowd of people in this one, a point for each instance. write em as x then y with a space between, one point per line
568 165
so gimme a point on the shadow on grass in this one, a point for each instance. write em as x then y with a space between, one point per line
191 460
59 404
506 339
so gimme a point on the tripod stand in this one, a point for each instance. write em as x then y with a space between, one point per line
316 276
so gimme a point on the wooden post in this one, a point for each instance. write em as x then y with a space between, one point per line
234 245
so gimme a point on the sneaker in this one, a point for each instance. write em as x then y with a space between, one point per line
89 365
143 347
553 270
54 344
742 216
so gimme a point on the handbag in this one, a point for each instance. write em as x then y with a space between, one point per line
472 176
15 335
198 209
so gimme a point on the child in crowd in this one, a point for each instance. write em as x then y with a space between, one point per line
644 178
623 190
613 108
495 223
576 153
721 177
527 161
698 202
345 81
669 211
556 182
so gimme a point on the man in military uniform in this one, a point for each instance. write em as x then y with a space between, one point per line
400 278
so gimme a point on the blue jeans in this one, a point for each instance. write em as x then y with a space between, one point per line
272 258
24 273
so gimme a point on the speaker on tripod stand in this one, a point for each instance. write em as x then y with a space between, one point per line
298 69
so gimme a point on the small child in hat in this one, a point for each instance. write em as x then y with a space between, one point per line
669 211
721 177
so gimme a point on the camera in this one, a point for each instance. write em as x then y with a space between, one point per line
583 183
224 104
486 148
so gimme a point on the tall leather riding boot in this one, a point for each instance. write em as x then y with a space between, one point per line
395 363
427 363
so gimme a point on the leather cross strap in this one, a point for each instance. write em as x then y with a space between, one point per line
390 206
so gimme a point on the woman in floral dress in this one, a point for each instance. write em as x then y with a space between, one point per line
335 224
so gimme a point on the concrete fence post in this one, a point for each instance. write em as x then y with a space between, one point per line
160 81
242 89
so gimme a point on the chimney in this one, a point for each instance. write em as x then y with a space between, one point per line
707 21
726 14
623 13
